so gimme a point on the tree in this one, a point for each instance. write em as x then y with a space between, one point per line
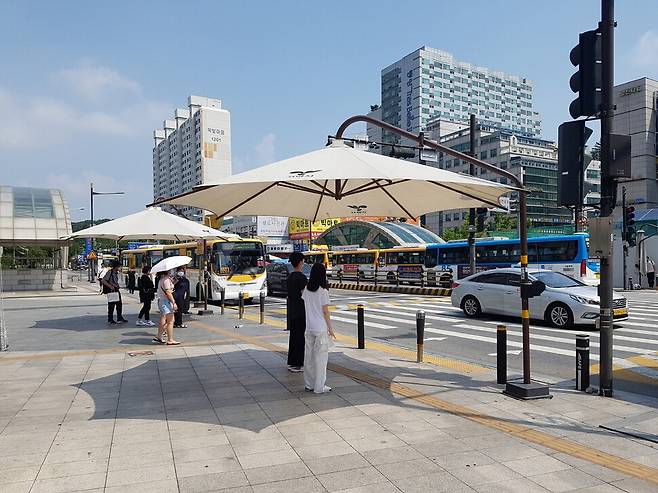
458 233
596 151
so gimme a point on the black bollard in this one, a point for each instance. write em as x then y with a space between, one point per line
420 335
501 354
262 307
240 304
222 302
360 319
582 362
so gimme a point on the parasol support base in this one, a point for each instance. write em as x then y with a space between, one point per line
204 312
527 391
199 304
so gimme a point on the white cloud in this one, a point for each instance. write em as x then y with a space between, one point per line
265 150
263 153
645 51
95 82
43 121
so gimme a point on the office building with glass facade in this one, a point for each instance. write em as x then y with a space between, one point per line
532 159
430 84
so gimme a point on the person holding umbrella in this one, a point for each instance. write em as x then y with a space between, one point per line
166 300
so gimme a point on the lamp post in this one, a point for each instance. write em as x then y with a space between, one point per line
93 193
526 389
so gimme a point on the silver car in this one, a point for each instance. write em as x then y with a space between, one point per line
565 301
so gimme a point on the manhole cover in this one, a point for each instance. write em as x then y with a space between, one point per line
141 353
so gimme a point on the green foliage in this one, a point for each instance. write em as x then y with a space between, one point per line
458 233
596 151
78 245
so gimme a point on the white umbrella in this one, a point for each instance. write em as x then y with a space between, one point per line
170 263
339 181
151 224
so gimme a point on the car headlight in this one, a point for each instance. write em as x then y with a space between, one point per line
582 300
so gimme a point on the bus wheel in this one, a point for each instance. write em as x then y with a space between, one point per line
559 315
471 306
390 277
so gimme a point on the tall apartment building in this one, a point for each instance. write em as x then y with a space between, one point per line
636 114
429 84
531 158
192 149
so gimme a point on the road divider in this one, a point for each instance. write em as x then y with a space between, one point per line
425 291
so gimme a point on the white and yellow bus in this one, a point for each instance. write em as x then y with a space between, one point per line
234 266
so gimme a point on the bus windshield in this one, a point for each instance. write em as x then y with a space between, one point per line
235 258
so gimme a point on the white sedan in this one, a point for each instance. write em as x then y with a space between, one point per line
565 301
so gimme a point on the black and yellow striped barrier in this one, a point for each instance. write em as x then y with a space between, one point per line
387 288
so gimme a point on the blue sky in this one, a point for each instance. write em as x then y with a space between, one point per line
84 84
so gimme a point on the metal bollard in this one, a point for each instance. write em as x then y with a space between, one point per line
358 277
420 335
582 362
222 302
501 354
361 323
240 304
262 307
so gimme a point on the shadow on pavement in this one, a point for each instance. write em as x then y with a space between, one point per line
251 390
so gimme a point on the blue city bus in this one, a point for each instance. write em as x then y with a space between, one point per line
563 253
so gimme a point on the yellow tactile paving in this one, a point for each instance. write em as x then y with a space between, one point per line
519 431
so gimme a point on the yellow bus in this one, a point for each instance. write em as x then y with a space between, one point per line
322 256
234 266
358 263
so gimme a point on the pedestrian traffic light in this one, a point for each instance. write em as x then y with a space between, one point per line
628 226
586 82
571 162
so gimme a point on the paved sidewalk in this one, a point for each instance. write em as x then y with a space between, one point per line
228 416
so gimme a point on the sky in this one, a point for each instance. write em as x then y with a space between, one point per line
83 84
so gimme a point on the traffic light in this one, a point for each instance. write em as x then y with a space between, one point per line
586 82
628 231
571 162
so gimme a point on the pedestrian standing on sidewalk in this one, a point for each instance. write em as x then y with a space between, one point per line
182 297
318 330
146 296
167 306
131 281
651 272
296 315
110 282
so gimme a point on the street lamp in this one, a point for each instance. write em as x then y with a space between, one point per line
93 193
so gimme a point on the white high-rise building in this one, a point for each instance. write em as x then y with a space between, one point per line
430 84
192 149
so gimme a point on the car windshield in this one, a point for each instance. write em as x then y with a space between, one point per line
556 280
234 258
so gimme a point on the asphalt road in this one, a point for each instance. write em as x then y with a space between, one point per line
392 318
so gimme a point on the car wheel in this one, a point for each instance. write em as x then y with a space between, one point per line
471 307
559 315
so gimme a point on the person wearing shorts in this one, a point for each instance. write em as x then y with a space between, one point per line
167 307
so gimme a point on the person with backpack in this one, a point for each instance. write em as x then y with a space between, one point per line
110 282
318 330
146 290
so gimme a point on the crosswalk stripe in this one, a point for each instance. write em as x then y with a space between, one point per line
517 333
367 324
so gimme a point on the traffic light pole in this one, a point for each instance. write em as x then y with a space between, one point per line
624 240
471 212
608 192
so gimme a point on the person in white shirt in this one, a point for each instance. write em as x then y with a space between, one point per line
318 330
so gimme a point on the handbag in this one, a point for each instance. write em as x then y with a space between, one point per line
113 297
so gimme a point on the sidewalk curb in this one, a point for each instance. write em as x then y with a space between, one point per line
391 289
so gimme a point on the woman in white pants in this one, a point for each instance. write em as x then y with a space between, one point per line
318 330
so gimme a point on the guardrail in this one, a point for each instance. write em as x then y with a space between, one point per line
440 279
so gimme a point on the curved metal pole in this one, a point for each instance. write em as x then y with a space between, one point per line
523 227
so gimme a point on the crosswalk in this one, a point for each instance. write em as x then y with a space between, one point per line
394 318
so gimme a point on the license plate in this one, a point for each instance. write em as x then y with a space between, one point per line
620 311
